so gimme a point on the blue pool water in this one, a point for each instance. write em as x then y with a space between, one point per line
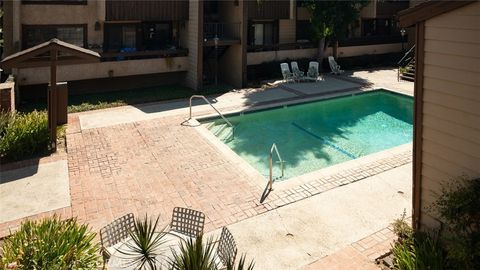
315 135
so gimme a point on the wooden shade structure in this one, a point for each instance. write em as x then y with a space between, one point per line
51 54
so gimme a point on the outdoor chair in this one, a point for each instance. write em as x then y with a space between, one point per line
114 233
334 66
313 73
227 248
187 222
297 73
287 74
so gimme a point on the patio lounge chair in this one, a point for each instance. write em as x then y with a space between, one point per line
313 73
114 233
226 249
297 73
187 222
334 66
287 75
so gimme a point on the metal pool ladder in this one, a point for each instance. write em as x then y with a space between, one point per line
218 112
282 167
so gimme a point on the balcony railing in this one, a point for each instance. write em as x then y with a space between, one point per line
280 47
222 31
136 55
372 40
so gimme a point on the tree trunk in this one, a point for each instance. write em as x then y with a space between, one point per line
321 53
335 49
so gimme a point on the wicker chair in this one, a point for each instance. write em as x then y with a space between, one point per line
188 222
227 249
115 232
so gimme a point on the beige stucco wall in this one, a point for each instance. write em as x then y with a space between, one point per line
370 11
230 64
193 43
451 106
287 31
67 14
101 70
255 58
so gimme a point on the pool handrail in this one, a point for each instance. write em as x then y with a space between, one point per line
218 112
270 180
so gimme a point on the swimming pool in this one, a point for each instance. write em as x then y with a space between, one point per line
311 136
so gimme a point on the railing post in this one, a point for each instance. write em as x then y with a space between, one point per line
270 181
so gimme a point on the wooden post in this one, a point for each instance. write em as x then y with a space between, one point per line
52 100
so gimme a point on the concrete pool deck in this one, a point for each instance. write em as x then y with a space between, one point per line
298 234
141 159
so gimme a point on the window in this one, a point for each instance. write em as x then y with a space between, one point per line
36 34
54 2
157 36
261 33
379 27
304 30
119 37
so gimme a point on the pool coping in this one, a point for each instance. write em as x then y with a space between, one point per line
322 179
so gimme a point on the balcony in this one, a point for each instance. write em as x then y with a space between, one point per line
280 47
227 33
137 55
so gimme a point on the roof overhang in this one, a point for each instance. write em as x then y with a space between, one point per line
427 10
39 56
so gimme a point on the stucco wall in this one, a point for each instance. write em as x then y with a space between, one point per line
255 58
67 14
451 105
101 70
192 79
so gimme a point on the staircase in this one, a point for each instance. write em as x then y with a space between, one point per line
221 130
407 73
406 66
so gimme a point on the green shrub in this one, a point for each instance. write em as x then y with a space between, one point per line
51 244
5 119
416 250
458 206
24 135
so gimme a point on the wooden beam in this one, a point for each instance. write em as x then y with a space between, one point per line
417 124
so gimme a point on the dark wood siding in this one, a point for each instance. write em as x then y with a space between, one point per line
268 9
146 10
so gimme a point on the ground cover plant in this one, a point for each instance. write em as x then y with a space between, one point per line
23 135
51 243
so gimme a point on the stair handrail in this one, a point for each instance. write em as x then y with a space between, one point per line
218 112
408 55
282 167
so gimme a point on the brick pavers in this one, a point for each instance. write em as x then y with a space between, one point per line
152 166
360 255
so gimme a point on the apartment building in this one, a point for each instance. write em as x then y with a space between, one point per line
191 42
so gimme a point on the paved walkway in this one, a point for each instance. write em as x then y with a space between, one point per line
143 160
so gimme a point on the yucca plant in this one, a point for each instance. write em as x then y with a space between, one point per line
145 250
241 264
51 243
194 255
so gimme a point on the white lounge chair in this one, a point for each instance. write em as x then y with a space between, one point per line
297 73
287 74
313 73
334 66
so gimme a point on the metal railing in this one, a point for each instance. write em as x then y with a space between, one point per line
222 31
218 112
280 160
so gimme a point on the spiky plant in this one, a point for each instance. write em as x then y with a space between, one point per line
241 264
51 243
194 255
145 248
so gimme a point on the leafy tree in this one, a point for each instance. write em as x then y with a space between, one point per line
331 19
